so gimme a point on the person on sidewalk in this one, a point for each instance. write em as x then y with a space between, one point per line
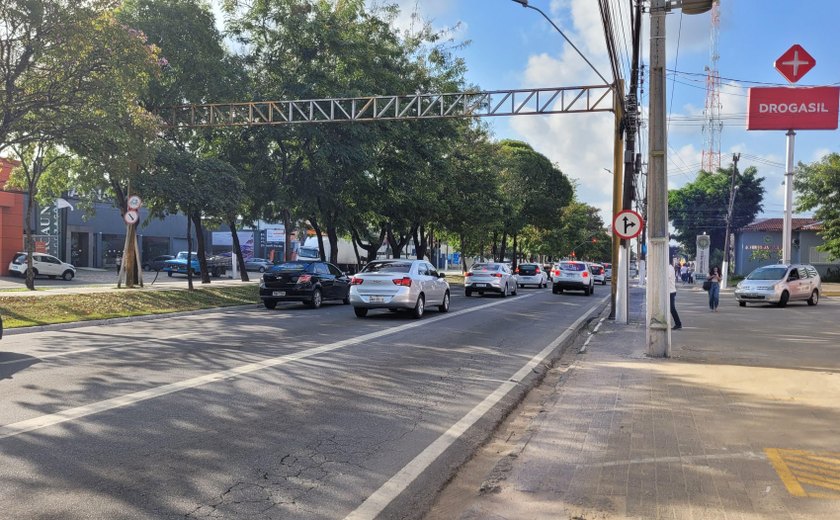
714 290
672 289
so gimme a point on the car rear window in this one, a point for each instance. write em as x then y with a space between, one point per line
768 273
485 267
387 267
569 266
290 267
527 269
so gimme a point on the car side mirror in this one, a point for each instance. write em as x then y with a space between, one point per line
441 275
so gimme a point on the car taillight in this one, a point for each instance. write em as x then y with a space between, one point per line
538 270
585 274
468 274
304 278
356 281
497 275
556 272
404 281
517 271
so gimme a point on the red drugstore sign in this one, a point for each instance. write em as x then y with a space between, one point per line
793 108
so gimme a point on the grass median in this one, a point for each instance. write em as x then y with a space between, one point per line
68 308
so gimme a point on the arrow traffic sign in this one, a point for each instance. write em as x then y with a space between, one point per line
628 224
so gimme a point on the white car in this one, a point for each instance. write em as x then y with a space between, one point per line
399 284
572 275
531 274
492 277
599 274
43 264
779 284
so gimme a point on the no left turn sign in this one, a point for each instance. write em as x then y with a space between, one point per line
628 224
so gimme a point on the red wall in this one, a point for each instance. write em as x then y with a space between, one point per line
11 218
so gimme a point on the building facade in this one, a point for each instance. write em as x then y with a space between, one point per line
760 244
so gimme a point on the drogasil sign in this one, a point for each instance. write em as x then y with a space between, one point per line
793 108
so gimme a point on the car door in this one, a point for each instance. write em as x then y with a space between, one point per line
341 282
327 281
794 284
805 283
436 284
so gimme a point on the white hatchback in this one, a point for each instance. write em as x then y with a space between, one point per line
42 264
531 274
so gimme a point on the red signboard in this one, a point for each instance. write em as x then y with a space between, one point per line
793 108
795 63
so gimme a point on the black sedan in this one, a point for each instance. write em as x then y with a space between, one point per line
157 263
304 281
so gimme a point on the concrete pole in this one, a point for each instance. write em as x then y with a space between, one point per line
787 238
657 317
619 272
616 209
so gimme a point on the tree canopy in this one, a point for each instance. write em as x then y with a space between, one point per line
818 188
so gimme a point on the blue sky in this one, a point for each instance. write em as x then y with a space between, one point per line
514 47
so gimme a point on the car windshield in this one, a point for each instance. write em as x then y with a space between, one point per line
291 267
768 273
183 255
387 267
569 266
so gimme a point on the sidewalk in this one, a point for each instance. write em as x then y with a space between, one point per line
742 422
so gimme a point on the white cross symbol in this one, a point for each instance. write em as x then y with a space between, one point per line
796 63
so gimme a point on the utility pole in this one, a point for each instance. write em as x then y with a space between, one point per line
733 189
657 315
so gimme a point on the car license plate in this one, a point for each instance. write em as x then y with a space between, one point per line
481 285
278 293
377 299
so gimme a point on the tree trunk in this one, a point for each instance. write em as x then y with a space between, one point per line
189 254
502 247
287 243
515 252
463 241
237 252
421 241
30 244
373 245
495 247
332 236
317 228
202 253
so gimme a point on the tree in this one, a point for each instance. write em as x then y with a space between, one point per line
701 206
818 187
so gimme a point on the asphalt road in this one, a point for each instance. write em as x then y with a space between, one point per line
250 413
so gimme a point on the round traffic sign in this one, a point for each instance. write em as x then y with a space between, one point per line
131 217
134 202
628 224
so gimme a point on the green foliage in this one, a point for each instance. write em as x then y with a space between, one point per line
818 188
701 206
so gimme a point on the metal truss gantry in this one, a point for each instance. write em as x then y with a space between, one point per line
561 100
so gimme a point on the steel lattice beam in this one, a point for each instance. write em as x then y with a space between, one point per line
380 108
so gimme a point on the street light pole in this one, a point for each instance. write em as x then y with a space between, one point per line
733 189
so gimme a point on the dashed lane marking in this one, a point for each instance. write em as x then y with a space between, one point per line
812 474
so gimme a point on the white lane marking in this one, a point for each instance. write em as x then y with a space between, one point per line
43 421
379 500
91 349
591 335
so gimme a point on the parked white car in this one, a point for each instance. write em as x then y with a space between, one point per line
399 284
531 274
43 265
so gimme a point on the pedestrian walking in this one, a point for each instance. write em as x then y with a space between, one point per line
672 289
714 288
684 273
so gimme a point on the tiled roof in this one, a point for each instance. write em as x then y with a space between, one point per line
775 224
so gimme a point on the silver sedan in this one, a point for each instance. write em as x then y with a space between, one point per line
490 277
399 284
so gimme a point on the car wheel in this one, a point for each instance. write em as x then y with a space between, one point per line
444 307
742 304
316 301
346 300
815 298
361 312
51 276
262 269
554 289
514 291
169 274
419 307
504 292
591 289
270 304
67 276
147 267
784 299
468 293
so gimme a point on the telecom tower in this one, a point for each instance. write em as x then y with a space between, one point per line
712 125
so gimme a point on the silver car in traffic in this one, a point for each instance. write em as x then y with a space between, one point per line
779 284
399 284
492 277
